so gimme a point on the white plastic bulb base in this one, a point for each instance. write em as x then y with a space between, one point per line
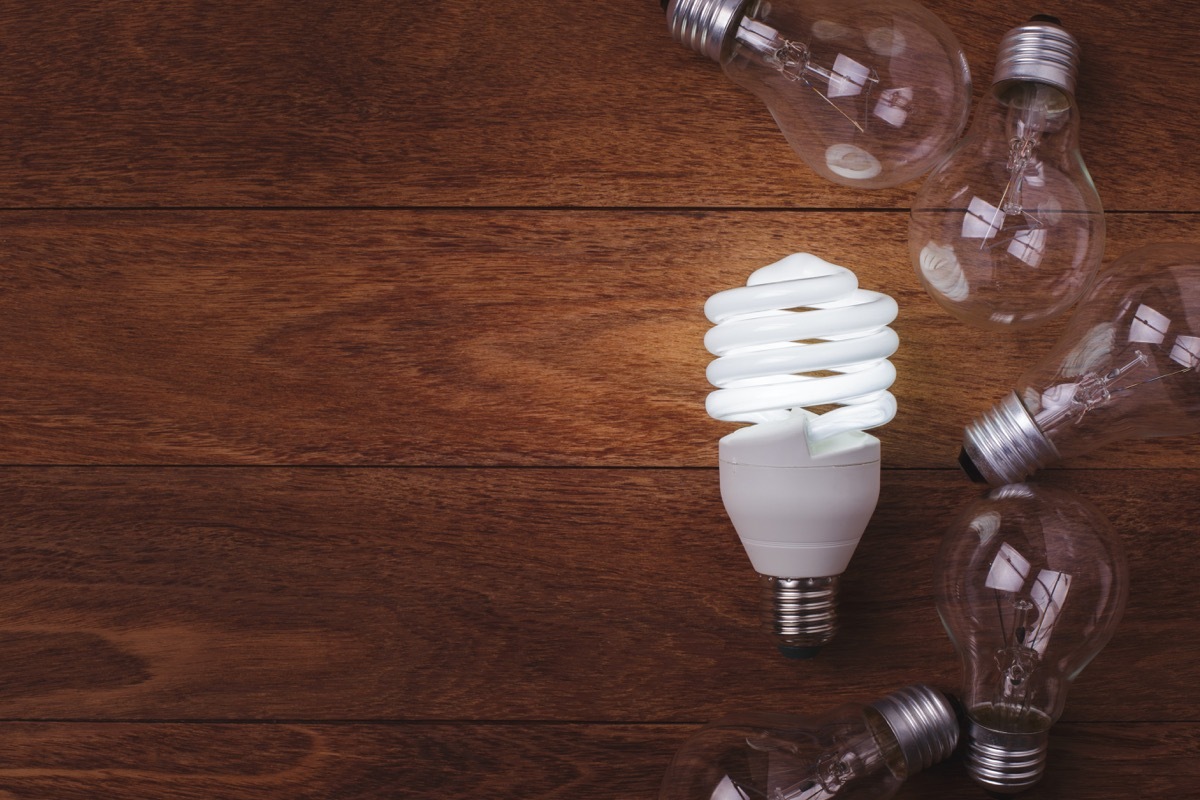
800 510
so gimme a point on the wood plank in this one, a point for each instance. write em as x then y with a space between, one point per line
567 762
279 103
444 338
528 594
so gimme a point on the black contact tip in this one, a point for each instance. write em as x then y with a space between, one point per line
663 3
968 466
798 653
1035 18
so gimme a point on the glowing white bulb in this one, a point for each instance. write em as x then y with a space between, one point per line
800 487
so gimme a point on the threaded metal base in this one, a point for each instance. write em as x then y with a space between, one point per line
1005 445
924 724
1040 51
800 613
1005 763
704 25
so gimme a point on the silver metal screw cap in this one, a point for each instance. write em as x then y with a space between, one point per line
923 722
1005 445
704 25
1040 50
1003 762
800 613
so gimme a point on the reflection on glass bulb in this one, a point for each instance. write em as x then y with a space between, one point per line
869 94
1127 367
854 751
1031 584
1009 231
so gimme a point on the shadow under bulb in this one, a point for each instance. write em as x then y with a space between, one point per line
1030 585
1008 232
870 94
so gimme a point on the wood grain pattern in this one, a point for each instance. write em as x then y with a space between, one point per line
607 595
500 762
351 428
445 338
512 103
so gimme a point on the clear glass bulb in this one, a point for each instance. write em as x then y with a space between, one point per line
870 93
854 751
1008 232
1030 585
1127 367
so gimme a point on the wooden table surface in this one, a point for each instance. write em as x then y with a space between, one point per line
351 403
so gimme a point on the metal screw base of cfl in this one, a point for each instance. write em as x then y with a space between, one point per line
1038 51
704 25
1005 763
800 613
1005 445
924 724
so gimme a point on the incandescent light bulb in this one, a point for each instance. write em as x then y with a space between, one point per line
800 487
1030 585
854 751
1127 367
1009 231
870 93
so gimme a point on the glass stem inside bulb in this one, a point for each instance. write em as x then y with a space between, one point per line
854 759
1118 373
1092 391
1034 109
1018 661
1022 151
1068 404
793 61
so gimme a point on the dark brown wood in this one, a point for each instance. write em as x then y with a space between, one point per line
434 338
615 595
352 439
515 103
506 762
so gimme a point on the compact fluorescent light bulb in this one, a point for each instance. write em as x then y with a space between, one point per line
800 487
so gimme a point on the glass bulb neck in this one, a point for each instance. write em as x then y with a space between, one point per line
1005 762
706 26
1039 51
1005 445
800 614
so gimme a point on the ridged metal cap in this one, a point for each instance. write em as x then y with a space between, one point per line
800 613
1040 50
1003 762
1005 445
923 722
704 25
